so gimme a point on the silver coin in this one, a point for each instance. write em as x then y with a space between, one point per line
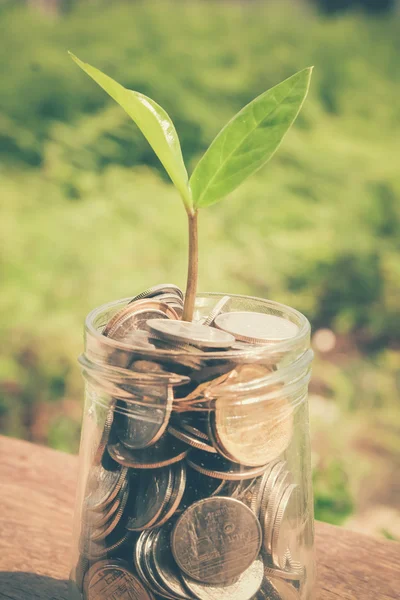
256 328
207 536
141 426
218 467
258 491
279 589
97 520
277 492
164 564
113 579
152 492
104 436
138 556
150 571
103 486
165 452
216 311
190 333
274 473
156 290
200 486
134 317
285 527
283 574
178 490
101 533
192 440
244 588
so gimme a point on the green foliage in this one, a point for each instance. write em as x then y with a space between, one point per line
153 122
333 502
249 140
86 216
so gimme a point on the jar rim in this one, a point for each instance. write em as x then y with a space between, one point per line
271 349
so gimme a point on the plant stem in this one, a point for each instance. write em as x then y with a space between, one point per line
193 268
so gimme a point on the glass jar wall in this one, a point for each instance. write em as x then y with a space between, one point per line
195 477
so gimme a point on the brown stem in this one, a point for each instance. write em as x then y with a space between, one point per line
193 267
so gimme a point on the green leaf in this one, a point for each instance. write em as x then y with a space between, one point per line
154 123
249 140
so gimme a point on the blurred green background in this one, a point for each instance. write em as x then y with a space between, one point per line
87 215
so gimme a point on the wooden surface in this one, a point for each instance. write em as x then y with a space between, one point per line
37 488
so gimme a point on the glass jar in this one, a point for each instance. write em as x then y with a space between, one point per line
195 474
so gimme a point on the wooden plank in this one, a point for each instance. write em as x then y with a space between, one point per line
37 488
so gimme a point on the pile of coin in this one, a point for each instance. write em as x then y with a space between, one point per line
189 494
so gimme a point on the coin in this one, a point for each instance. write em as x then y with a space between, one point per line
163 288
284 536
216 310
164 564
200 486
252 433
100 534
274 473
135 316
103 486
178 490
81 569
279 589
104 436
258 491
150 571
283 574
217 466
243 588
138 559
195 424
274 500
165 452
112 578
190 333
118 539
206 538
98 519
141 426
192 440
256 328
152 492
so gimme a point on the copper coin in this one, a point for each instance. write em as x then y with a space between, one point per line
113 579
207 536
152 492
244 588
218 467
165 452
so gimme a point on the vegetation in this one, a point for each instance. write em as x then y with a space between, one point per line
87 214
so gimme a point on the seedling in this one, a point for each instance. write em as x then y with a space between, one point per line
244 145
